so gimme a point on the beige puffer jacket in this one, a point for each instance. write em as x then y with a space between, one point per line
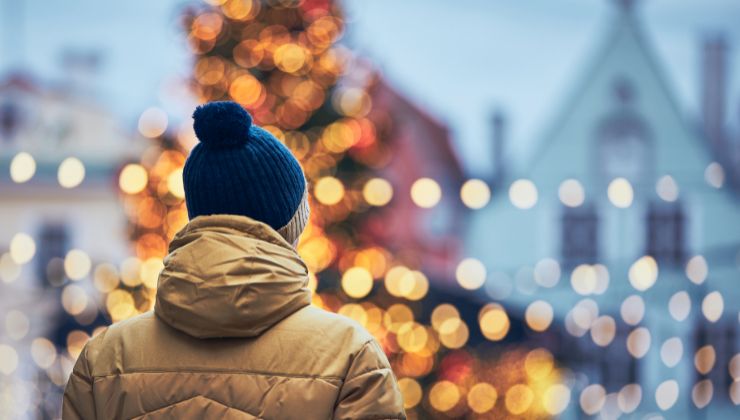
233 336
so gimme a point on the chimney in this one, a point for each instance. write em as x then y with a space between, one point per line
498 123
714 90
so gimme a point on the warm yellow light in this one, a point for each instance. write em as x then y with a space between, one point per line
355 312
133 178
444 395
357 282
22 248
523 194
329 190
475 193
411 392
442 313
538 363
494 322
377 192
583 279
471 273
149 272
453 333
556 399
153 122
643 273
620 193
175 184
519 398
412 337
290 57
77 264
571 193
246 90
22 167
71 172
426 192
482 397
539 315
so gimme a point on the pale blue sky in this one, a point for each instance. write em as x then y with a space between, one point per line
458 59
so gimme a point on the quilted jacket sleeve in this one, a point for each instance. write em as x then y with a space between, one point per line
370 390
78 400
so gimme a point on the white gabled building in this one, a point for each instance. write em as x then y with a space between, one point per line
671 208
40 128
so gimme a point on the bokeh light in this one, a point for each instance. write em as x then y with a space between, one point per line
475 193
153 122
377 192
470 273
22 167
426 192
571 193
133 178
71 172
620 193
523 194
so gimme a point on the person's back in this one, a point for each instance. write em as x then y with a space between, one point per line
233 334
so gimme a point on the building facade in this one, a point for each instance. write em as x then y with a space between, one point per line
624 223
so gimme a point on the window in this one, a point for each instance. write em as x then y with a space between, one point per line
53 243
623 138
666 232
579 235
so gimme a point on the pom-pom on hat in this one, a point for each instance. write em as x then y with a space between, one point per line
240 168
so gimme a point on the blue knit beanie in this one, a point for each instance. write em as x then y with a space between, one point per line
239 168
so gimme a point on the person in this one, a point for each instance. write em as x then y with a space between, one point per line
233 334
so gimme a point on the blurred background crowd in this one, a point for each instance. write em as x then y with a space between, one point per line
533 206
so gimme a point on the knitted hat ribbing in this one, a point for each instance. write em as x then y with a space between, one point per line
239 168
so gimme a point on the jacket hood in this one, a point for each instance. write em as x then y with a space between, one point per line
230 276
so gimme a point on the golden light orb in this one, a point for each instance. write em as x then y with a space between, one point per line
133 178
22 167
475 193
470 273
377 192
357 282
329 190
426 192
71 172
620 193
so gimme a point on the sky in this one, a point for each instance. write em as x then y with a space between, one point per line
458 59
